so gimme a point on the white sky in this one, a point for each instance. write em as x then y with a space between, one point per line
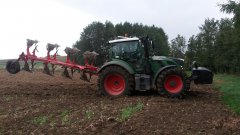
62 21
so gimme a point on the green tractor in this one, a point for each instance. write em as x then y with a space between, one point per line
132 67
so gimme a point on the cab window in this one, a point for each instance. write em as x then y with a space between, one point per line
124 49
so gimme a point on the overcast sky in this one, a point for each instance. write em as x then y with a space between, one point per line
62 21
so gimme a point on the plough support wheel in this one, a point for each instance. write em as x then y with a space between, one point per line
13 67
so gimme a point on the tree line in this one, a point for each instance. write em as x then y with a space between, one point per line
216 46
96 35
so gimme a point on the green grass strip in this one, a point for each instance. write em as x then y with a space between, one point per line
129 111
229 85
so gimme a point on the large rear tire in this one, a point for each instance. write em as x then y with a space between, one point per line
114 81
13 67
172 82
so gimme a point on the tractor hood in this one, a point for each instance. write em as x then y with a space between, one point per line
165 60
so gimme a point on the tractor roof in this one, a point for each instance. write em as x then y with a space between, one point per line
165 57
160 58
125 39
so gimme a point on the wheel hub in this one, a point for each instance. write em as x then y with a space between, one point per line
173 84
114 84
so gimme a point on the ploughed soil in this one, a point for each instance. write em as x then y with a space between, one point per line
35 103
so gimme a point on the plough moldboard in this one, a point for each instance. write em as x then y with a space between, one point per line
86 70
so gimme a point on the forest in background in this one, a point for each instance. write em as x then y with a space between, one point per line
216 46
96 35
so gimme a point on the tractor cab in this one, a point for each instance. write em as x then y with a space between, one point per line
136 52
133 51
128 49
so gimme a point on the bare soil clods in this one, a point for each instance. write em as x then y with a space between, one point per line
35 103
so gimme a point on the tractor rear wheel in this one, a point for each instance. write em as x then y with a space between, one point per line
172 82
114 81
13 67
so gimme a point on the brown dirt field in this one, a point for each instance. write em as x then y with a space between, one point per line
35 103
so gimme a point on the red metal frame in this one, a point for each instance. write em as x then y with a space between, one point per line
53 60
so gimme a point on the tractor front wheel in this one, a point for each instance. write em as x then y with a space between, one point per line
172 82
115 81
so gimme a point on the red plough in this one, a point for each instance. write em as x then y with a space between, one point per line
86 70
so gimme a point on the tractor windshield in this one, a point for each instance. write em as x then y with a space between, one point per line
125 50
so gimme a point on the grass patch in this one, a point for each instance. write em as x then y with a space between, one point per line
65 117
40 120
43 120
129 111
8 98
2 65
89 114
230 88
